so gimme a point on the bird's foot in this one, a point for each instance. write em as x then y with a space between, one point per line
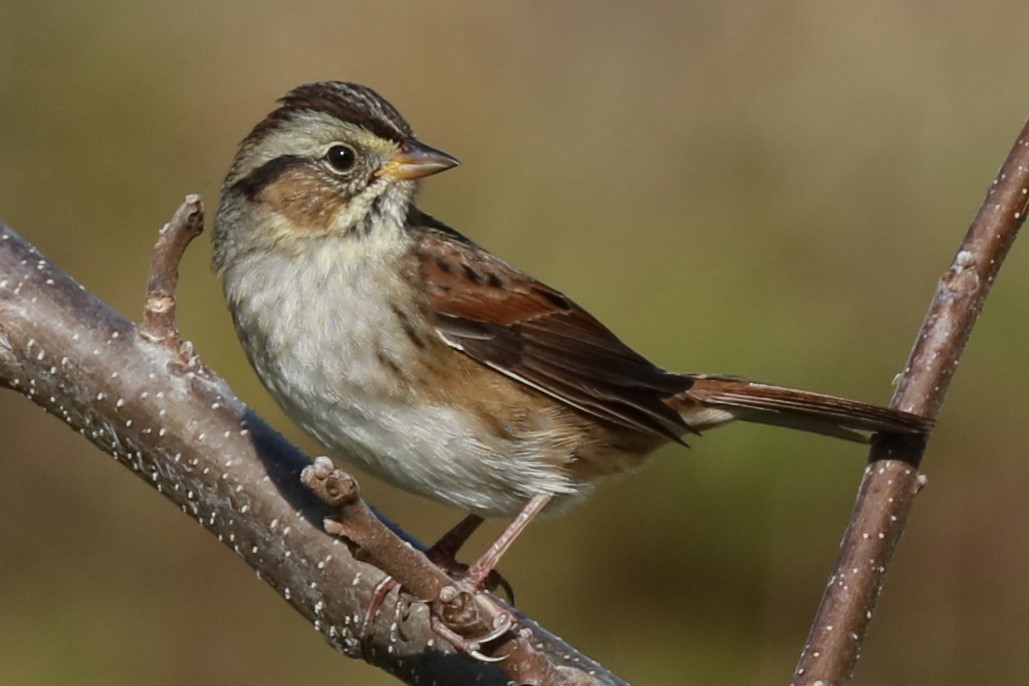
455 609
459 571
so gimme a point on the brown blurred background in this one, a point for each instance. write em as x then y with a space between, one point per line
769 189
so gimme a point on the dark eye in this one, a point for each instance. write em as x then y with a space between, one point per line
341 157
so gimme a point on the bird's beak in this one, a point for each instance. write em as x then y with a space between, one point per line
416 160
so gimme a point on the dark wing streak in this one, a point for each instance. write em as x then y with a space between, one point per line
558 390
611 402
513 324
600 363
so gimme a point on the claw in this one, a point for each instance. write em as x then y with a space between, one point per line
401 613
496 580
485 658
461 644
379 594
503 623
456 607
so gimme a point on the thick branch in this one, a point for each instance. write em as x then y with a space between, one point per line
183 431
891 480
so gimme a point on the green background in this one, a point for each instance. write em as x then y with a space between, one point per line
765 188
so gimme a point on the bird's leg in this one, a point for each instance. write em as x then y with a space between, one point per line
443 554
444 551
479 575
481 569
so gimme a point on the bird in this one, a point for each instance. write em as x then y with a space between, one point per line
413 353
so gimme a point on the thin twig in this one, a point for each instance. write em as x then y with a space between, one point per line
159 322
470 616
892 479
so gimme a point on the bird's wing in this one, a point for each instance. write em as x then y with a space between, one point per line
512 323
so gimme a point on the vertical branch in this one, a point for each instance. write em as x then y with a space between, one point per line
187 223
891 479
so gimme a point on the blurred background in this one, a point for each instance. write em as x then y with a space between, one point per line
766 188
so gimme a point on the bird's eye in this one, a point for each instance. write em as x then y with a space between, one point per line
341 158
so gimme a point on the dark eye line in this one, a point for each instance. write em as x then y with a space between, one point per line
268 173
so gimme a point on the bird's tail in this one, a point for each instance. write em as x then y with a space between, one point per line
714 400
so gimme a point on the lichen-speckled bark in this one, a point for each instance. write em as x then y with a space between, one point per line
180 428
892 479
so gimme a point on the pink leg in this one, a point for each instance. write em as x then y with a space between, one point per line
443 554
479 572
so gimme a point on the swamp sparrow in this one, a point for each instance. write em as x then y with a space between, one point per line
410 351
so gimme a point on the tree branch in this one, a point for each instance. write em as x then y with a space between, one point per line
891 479
141 396
159 324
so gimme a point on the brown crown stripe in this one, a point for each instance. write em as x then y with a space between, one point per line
346 101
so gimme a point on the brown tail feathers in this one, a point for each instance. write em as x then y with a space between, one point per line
713 400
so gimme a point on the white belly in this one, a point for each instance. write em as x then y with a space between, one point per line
317 343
